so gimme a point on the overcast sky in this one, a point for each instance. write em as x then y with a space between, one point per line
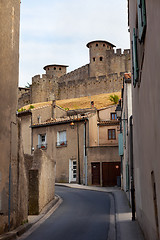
57 31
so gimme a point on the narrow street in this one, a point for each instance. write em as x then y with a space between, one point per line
83 215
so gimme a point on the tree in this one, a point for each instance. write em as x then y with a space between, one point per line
114 98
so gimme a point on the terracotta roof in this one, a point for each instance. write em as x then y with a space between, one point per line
67 119
127 75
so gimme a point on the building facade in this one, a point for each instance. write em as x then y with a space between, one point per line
144 19
13 190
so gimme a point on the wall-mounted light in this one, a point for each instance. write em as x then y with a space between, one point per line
72 125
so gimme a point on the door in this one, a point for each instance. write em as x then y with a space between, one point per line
95 173
110 172
72 170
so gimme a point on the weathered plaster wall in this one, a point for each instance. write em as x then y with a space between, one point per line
146 128
101 154
41 182
11 151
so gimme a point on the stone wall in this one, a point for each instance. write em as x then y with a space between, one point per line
43 88
94 78
41 182
24 98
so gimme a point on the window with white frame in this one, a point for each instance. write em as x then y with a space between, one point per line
42 143
61 138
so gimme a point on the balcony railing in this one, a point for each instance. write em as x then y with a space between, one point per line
61 144
42 146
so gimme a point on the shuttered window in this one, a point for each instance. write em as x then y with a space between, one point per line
134 59
141 19
127 177
120 144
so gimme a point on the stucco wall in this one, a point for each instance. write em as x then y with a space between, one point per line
10 158
146 127
26 133
93 131
105 114
62 154
101 154
103 135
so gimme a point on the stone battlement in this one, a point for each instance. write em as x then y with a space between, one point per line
103 74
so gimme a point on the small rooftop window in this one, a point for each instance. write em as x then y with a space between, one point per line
60 68
54 68
96 44
104 44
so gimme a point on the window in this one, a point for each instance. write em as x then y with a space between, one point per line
60 69
54 68
104 45
135 58
101 59
96 44
111 134
94 59
61 138
141 19
113 116
42 141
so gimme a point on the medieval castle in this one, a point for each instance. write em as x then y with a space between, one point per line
103 74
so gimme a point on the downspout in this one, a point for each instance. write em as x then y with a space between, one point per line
132 170
79 175
32 150
10 172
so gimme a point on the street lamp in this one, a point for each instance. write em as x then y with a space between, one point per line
118 111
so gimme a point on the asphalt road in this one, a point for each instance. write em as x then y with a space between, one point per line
83 215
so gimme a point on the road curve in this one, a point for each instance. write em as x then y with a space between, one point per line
83 215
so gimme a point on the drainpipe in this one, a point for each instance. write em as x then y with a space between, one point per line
10 172
132 170
79 175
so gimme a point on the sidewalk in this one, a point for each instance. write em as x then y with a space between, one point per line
121 228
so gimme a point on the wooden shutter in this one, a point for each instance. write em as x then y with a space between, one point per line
120 144
141 19
135 58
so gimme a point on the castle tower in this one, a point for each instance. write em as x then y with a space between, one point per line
55 70
97 53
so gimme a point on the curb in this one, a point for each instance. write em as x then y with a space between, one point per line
24 228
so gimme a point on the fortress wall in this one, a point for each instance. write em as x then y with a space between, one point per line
24 99
79 73
90 86
43 88
118 62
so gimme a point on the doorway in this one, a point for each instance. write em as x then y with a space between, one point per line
110 172
95 173
72 170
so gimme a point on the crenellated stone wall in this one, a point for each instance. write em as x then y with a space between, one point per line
103 74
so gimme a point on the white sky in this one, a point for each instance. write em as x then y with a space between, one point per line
57 31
